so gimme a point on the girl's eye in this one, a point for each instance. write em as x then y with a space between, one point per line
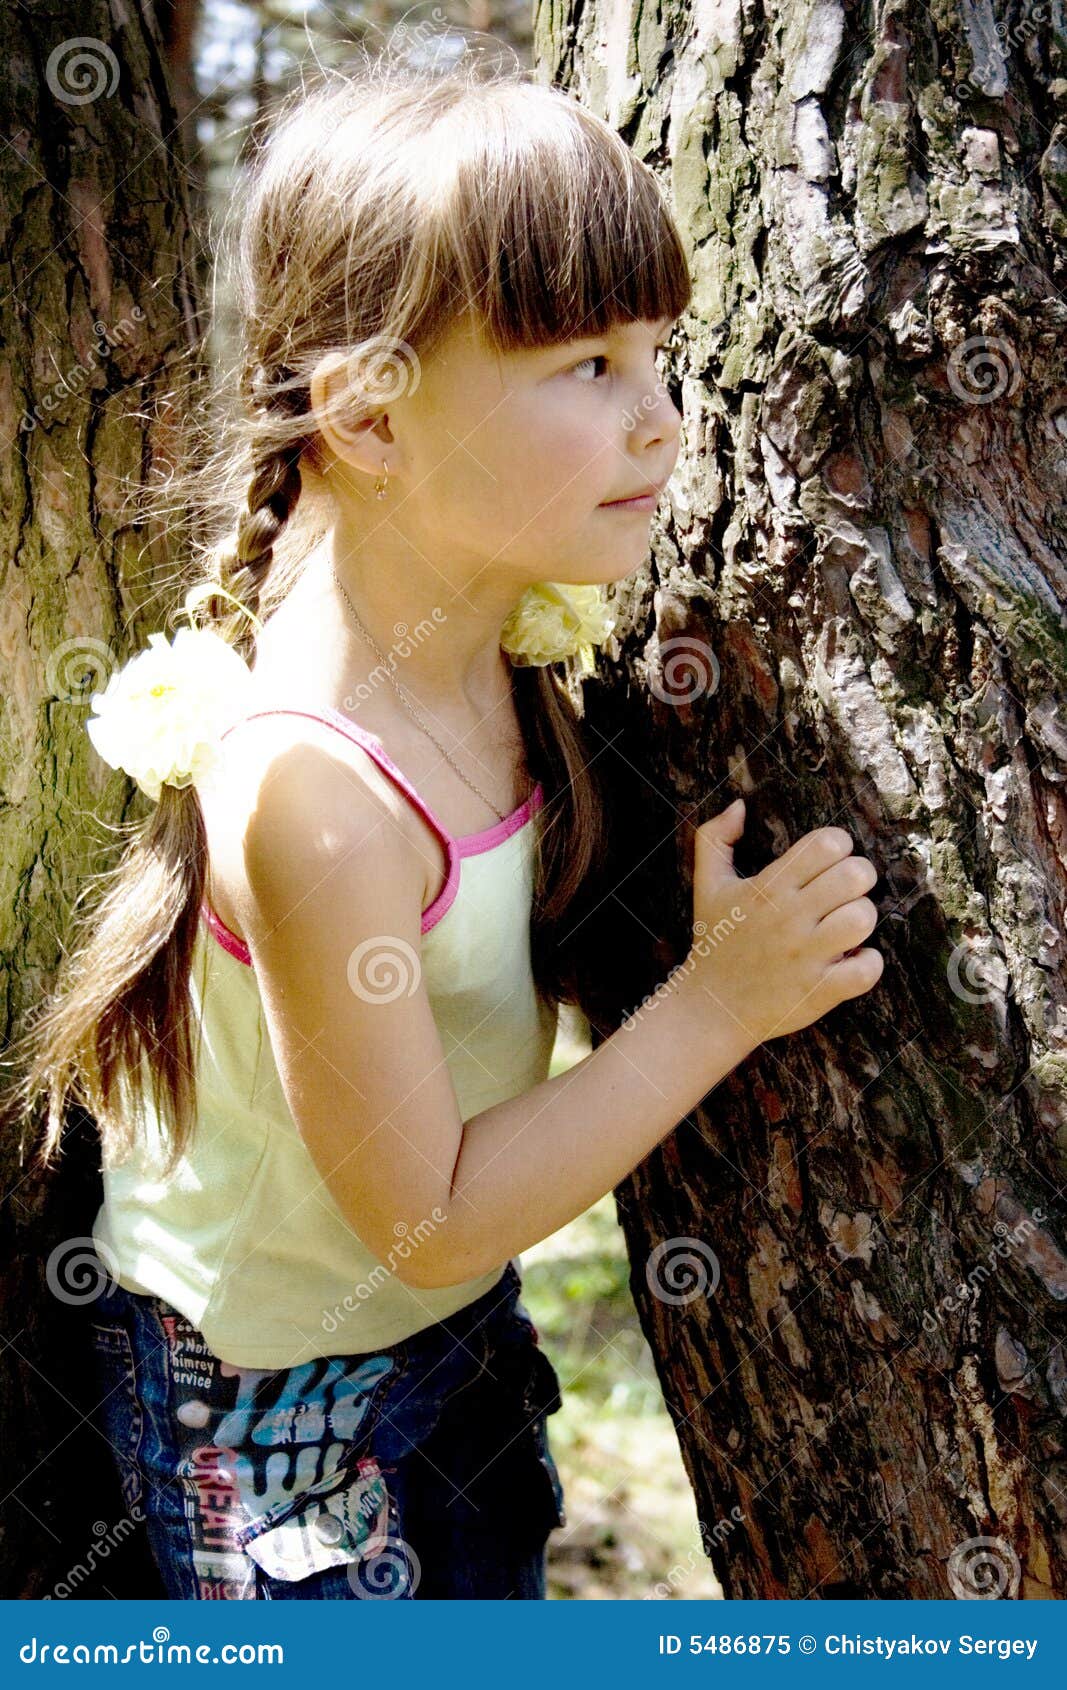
600 358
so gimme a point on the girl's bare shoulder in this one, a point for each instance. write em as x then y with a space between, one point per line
255 751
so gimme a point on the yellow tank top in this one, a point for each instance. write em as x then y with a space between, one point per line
244 1238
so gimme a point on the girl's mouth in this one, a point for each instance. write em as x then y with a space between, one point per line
646 502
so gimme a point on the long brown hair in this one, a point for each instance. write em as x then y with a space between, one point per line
380 205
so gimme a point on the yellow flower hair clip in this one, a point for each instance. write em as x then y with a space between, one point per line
161 716
554 620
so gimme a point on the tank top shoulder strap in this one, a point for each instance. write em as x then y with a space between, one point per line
370 743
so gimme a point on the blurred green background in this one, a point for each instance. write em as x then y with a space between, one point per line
631 1528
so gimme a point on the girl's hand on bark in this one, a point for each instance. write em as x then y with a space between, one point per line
781 948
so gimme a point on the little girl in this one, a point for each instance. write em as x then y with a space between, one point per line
314 1013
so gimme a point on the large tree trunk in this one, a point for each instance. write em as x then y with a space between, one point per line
854 613
97 321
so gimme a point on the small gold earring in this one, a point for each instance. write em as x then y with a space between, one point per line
383 481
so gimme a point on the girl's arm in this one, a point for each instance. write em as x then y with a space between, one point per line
530 1165
331 913
775 951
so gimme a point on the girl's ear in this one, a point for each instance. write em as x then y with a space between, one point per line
359 440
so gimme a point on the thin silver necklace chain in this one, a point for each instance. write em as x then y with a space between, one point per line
369 637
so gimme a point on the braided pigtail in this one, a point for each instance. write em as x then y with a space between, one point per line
119 1025
243 567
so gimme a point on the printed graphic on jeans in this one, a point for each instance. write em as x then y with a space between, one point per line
267 1467
421 1470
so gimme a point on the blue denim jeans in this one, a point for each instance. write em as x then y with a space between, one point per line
422 1470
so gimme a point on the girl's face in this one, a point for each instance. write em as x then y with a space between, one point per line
509 462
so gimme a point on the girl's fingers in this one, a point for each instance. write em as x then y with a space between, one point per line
811 856
853 975
845 928
839 885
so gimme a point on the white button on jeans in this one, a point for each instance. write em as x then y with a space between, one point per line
329 1529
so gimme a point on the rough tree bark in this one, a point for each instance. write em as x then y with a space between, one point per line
98 320
854 613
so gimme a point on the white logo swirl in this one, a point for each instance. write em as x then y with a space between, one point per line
983 369
687 667
382 368
80 69
988 972
78 668
389 1569
983 1569
678 1261
79 1271
384 968
378 371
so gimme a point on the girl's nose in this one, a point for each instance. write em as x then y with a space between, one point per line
655 418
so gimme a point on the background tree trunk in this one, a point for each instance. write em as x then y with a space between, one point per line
98 319
854 614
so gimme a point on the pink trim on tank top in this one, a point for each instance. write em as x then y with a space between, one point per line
463 845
